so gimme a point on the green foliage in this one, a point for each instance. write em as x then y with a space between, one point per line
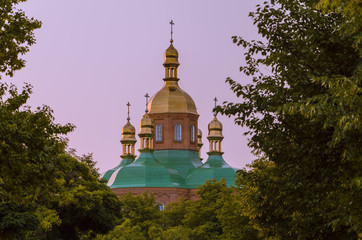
216 215
352 12
175 213
125 231
17 34
178 233
16 220
31 146
304 117
46 192
141 210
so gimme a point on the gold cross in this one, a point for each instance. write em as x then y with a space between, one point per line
128 105
172 23
146 96
215 99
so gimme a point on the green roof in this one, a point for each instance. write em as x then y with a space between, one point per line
214 168
146 171
107 175
169 168
180 160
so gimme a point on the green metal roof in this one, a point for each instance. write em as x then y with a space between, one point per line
214 168
169 168
146 171
107 175
180 160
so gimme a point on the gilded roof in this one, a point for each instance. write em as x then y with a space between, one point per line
199 137
171 55
146 125
215 128
171 99
128 132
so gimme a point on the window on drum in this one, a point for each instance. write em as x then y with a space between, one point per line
159 133
178 136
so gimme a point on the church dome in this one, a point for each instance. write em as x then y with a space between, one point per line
128 132
171 55
146 125
171 99
215 128
199 137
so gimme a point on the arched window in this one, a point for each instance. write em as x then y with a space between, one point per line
192 128
161 206
178 132
158 133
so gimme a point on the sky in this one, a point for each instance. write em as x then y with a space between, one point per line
92 57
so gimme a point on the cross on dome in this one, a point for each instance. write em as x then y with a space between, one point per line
147 97
128 105
171 23
215 100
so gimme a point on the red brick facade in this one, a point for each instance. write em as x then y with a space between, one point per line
168 122
162 195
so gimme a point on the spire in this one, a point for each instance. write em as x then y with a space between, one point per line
128 138
171 23
171 60
215 136
215 100
147 97
128 105
146 130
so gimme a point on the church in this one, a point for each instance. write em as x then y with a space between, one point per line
169 165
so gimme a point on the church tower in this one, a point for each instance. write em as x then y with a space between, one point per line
169 165
173 110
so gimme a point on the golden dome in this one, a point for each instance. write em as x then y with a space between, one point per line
171 55
215 128
199 137
171 99
146 125
128 132
199 133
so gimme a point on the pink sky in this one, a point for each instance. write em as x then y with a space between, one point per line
92 57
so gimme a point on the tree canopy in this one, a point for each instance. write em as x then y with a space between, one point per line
304 115
215 215
17 35
46 191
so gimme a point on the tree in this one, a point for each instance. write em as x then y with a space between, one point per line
46 191
125 231
141 210
352 11
31 146
17 34
141 218
304 120
216 214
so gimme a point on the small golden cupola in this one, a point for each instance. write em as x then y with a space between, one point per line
215 136
199 142
128 139
146 130
171 59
